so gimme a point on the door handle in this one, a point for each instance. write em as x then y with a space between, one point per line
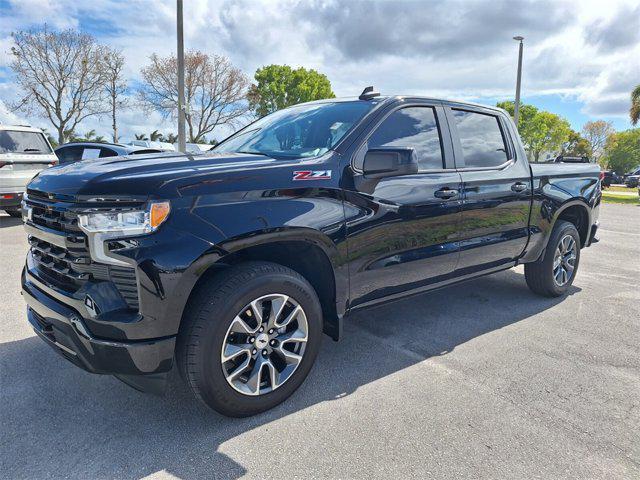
446 193
519 187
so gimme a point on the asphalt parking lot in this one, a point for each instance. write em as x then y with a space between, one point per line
483 380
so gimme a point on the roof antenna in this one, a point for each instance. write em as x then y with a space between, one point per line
368 93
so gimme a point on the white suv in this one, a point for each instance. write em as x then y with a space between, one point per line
24 151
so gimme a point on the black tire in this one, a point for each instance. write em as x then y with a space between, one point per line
14 212
208 317
540 274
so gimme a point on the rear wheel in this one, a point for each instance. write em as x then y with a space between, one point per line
250 338
553 274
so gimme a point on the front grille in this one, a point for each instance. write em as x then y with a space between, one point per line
71 267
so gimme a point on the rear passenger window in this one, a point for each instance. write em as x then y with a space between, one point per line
481 139
413 127
69 154
107 152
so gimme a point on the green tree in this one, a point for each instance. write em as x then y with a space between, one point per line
527 112
634 110
547 133
141 136
280 86
539 130
623 151
576 146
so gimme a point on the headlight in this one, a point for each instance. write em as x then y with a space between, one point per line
135 222
103 226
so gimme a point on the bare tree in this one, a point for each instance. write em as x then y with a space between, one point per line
215 91
597 133
116 85
60 75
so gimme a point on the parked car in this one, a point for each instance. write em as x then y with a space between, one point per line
609 178
632 178
163 146
230 265
24 151
76 151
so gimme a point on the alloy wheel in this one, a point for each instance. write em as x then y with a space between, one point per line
264 344
564 261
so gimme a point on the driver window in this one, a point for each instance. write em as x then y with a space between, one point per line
414 127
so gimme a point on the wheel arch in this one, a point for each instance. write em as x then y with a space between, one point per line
576 213
307 251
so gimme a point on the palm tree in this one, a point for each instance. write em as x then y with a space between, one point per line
141 136
172 138
70 136
634 111
90 135
156 136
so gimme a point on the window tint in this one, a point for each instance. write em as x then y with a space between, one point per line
69 154
413 127
107 152
481 139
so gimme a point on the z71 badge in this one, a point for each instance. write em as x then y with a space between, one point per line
312 175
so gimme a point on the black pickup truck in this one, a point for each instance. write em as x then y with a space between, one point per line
230 265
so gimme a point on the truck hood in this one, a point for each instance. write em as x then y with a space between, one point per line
141 176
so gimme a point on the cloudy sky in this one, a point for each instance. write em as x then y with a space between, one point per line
581 58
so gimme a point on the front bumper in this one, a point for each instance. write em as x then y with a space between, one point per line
64 330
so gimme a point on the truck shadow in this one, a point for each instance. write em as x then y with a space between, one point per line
7 221
61 421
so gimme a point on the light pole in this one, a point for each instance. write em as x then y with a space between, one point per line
182 141
516 110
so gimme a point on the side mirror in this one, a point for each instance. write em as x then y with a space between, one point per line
390 162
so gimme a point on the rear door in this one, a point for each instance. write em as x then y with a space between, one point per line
496 187
402 231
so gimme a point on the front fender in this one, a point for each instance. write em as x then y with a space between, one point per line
237 222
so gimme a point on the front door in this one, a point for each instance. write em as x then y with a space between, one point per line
497 190
402 231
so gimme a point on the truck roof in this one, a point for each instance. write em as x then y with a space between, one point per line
389 98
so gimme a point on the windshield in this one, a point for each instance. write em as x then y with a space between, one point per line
14 141
300 131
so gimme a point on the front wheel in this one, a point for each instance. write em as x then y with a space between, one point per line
553 274
250 338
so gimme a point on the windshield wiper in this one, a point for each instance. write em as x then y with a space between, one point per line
253 153
31 150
